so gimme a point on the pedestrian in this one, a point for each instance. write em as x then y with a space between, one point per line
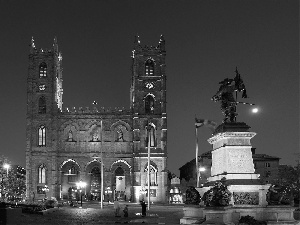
117 208
125 210
143 204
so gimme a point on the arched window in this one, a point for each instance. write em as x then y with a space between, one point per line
152 133
149 67
119 171
42 105
95 181
42 136
43 69
153 176
42 174
72 171
70 136
149 104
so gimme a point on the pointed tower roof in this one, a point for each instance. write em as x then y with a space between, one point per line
162 43
137 42
32 46
55 45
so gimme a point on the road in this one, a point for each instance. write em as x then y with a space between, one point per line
93 214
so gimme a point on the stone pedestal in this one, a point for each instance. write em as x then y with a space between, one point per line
232 159
218 215
232 153
192 215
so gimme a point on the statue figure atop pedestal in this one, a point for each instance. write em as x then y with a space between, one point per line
225 95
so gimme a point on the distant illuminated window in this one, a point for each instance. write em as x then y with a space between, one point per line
42 105
149 67
149 104
42 135
70 136
152 137
42 174
153 176
43 70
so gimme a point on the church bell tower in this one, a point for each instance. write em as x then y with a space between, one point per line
44 102
148 105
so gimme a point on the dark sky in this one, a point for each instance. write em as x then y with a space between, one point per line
205 41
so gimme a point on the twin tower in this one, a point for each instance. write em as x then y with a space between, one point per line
67 146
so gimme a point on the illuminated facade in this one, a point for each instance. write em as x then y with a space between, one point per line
66 146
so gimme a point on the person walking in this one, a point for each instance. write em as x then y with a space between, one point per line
117 208
125 210
143 204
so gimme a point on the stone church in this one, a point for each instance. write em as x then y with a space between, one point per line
66 146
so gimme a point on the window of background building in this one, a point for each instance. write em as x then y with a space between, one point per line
42 174
149 67
42 105
42 136
43 70
267 164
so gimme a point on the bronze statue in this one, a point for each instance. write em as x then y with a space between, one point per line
226 97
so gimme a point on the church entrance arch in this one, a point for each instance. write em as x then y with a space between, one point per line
70 172
93 180
121 181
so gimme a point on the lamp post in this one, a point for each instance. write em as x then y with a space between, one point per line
6 166
149 127
201 169
102 172
80 185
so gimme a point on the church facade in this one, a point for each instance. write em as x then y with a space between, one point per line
64 147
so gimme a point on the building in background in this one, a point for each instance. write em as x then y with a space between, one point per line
265 165
175 193
65 146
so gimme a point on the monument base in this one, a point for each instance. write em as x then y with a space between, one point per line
192 215
231 215
244 195
218 215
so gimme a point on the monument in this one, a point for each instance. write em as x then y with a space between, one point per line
232 164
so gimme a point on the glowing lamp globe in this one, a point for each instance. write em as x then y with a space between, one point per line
6 166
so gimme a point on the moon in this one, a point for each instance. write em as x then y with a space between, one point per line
255 110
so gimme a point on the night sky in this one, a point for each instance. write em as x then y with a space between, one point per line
205 41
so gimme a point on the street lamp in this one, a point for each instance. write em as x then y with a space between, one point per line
81 185
149 127
201 169
6 166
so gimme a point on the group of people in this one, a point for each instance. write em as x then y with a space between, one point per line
125 210
118 208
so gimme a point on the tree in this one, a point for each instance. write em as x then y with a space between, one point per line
12 184
288 177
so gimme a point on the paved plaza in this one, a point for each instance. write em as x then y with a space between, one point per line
93 214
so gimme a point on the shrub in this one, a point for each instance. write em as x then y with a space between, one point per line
217 195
